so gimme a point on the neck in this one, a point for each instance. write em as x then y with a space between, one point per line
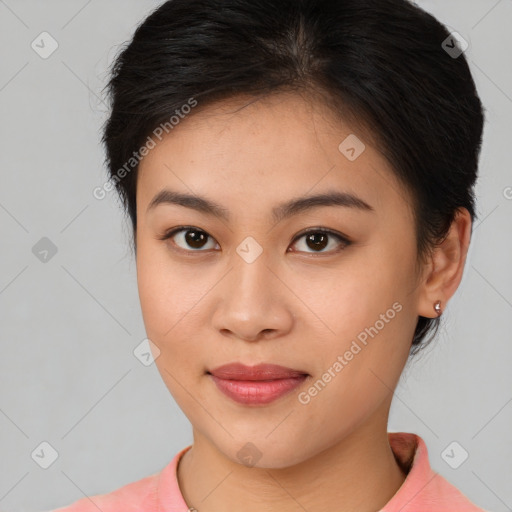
359 473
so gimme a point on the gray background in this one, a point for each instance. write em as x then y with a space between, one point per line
69 325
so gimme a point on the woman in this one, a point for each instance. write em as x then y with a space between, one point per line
299 178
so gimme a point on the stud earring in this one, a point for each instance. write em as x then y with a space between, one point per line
437 307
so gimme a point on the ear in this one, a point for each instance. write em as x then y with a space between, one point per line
446 266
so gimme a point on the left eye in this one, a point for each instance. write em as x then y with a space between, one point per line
189 237
319 239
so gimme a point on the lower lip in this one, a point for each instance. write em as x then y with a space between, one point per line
257 392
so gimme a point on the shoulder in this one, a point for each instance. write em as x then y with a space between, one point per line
423 490
136 496
443 496
158 491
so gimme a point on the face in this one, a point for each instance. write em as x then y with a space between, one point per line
244 283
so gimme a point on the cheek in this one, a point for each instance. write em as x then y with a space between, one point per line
367 321
168 293
165 315
158 302
350 298
170 298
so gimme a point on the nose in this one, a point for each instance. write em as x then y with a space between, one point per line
252 302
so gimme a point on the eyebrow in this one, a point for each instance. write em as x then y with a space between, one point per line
280 212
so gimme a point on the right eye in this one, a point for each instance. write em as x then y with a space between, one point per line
188 238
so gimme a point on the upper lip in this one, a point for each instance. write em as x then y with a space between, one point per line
239 371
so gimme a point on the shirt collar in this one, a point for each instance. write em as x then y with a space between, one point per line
421 486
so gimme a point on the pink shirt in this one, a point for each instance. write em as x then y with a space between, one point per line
422 491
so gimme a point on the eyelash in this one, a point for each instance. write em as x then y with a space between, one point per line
345 242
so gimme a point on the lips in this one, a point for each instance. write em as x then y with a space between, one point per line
256 385
238 371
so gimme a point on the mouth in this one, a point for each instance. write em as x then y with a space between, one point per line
256 385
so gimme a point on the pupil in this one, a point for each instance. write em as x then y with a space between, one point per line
319 240
195 239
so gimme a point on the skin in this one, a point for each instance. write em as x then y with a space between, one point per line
292 306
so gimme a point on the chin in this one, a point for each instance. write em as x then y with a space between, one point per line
260 452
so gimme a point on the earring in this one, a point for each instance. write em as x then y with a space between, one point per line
437 307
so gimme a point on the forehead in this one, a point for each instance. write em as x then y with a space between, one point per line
271 148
